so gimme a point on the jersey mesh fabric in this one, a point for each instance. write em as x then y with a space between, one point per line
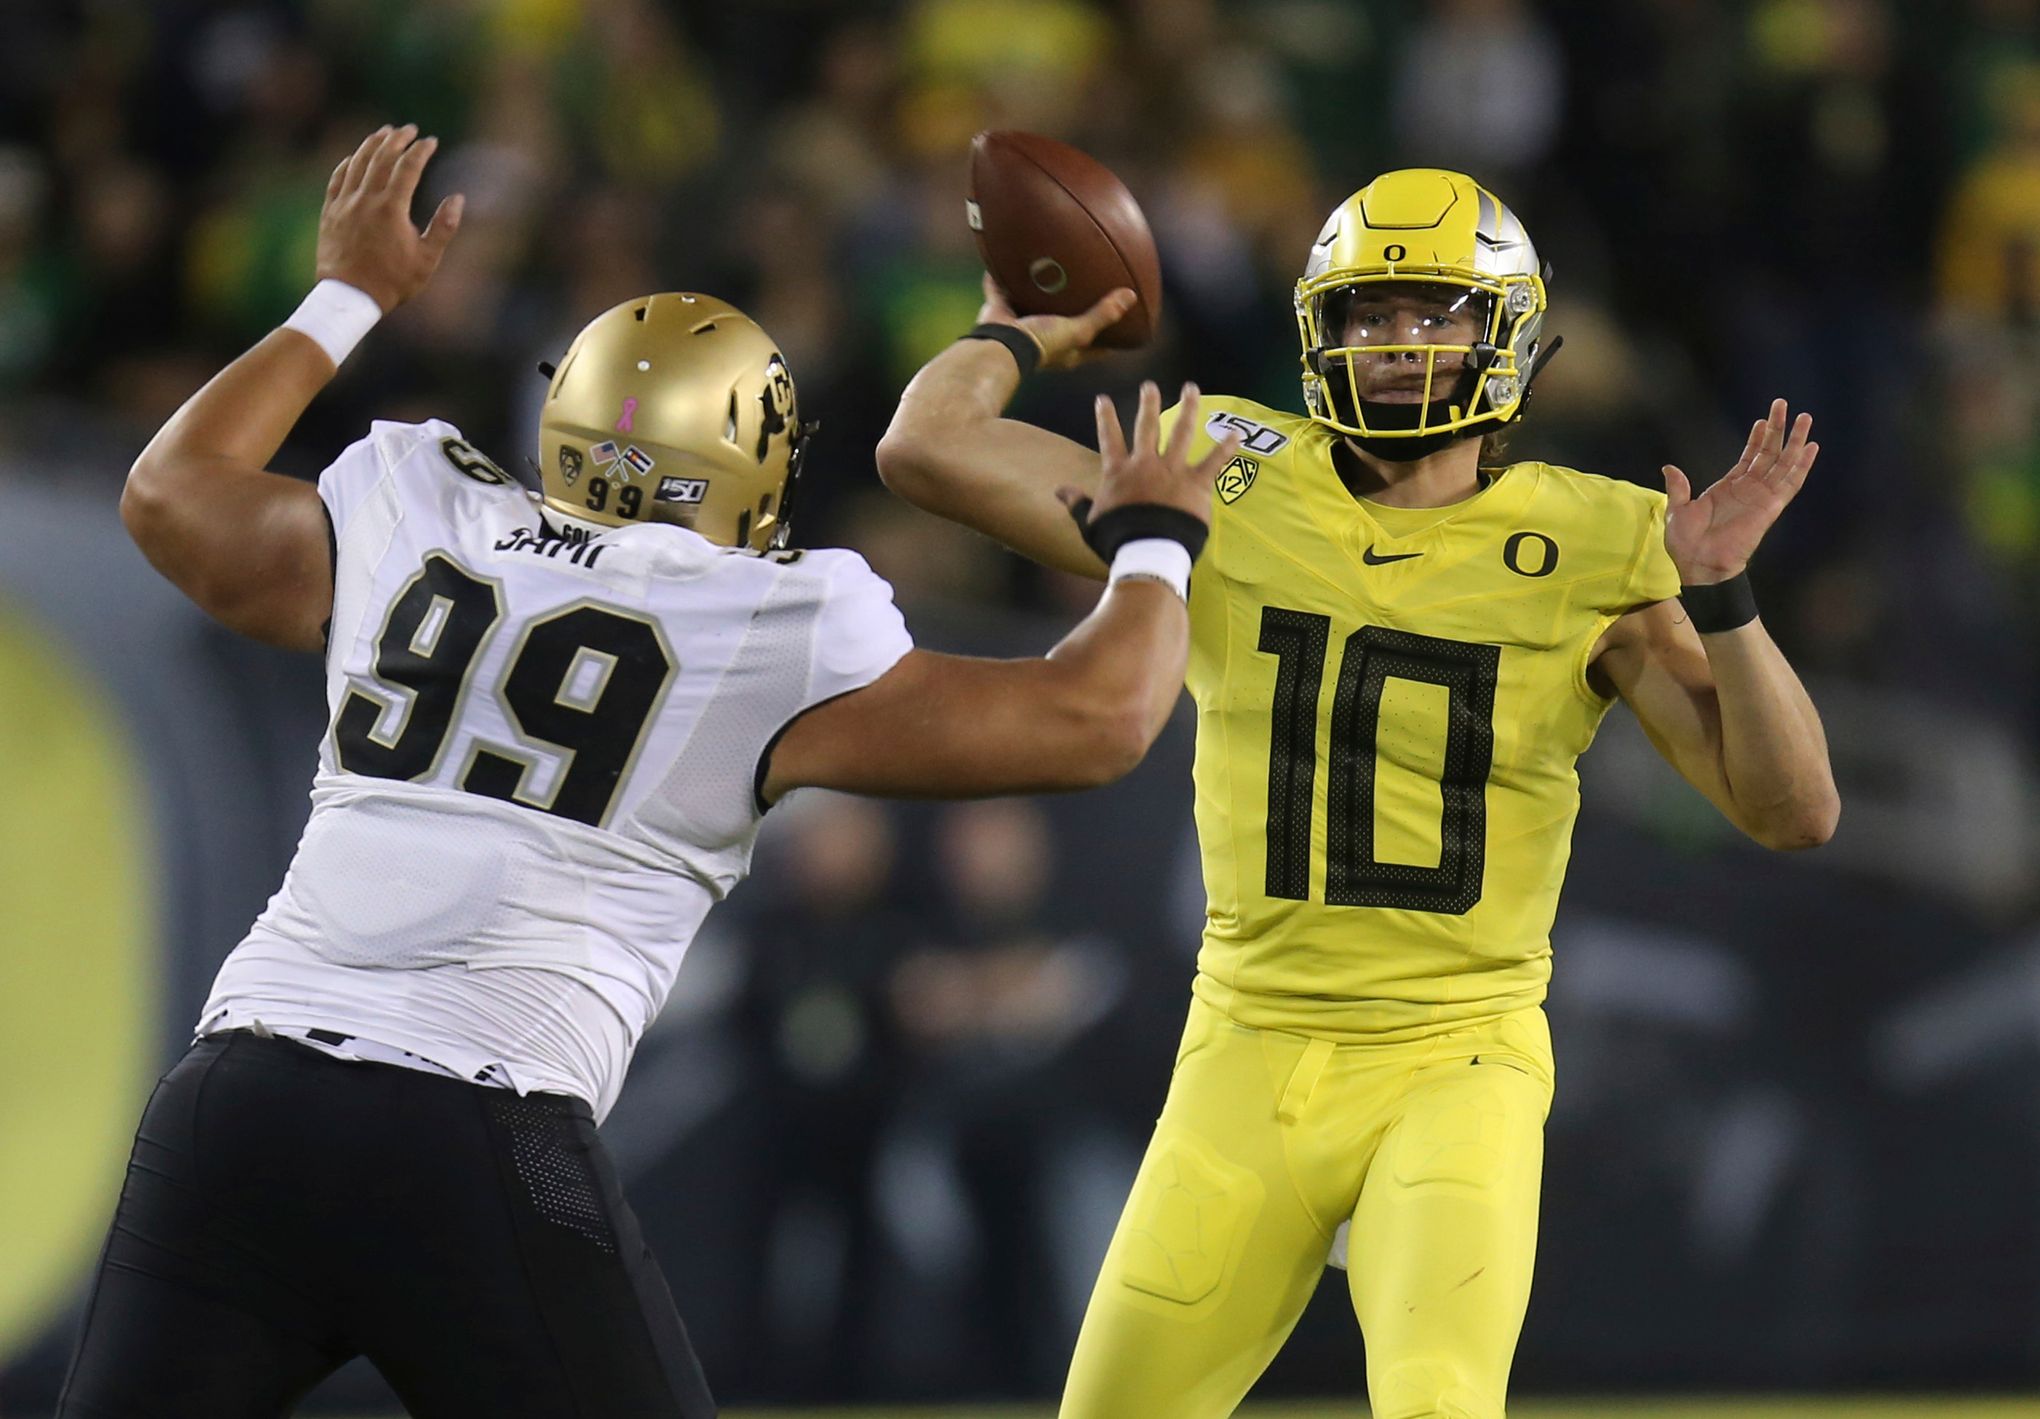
709 795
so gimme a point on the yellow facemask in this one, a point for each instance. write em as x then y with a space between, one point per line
1436 240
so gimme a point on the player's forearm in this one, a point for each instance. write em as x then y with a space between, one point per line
1774 751
950 453
1081 717
942 726
964 388
945 429
1128 656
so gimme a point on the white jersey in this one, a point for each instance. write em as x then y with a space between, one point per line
540 769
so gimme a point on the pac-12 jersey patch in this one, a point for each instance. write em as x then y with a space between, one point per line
1236 477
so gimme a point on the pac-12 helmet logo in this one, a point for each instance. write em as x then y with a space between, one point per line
570 465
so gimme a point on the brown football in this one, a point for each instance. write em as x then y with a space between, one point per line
1058 231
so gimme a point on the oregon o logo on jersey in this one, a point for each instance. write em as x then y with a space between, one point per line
1538 558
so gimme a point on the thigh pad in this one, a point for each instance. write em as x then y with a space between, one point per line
1188 1217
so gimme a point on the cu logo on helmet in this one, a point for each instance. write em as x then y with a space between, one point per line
776 398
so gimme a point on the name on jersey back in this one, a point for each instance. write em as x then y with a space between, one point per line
572 544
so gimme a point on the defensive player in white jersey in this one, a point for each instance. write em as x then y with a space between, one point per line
556 724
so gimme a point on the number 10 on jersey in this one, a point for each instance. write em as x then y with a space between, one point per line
1371 657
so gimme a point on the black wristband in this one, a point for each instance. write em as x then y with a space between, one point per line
1026 353
1721 607
1115 529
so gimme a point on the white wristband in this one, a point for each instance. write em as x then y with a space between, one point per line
1162 558
336 315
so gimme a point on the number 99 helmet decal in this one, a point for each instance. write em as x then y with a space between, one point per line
1420 313
675 408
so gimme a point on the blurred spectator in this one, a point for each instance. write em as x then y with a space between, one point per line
1027 61
831 144
1988 265
816 1019
1991 42
31 280
1479 87
996 1118
637 95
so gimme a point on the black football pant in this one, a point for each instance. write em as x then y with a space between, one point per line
285 1211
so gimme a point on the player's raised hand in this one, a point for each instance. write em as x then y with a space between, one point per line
365 233
1712 537
1065 340
1147 471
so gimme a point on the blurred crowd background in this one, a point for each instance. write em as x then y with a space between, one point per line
882 1133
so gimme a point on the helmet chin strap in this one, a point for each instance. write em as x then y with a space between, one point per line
803 439
1393 450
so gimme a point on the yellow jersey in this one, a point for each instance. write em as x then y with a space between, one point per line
1390 705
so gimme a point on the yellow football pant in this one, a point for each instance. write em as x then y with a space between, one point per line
1434 1149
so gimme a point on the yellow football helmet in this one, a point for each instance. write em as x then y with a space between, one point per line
674 408
1461 269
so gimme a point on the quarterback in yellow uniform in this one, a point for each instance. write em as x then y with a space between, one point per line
1398 654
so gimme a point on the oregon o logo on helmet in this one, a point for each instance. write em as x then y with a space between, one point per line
1546 554
1395 251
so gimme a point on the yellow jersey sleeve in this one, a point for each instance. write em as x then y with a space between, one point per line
1652 577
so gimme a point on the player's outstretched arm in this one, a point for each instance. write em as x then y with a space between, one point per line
942 726
250 546
1719 700
950 452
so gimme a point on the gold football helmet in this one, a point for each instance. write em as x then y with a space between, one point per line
1415 256
674 408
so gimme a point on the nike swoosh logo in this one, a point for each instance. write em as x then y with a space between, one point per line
1375 559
